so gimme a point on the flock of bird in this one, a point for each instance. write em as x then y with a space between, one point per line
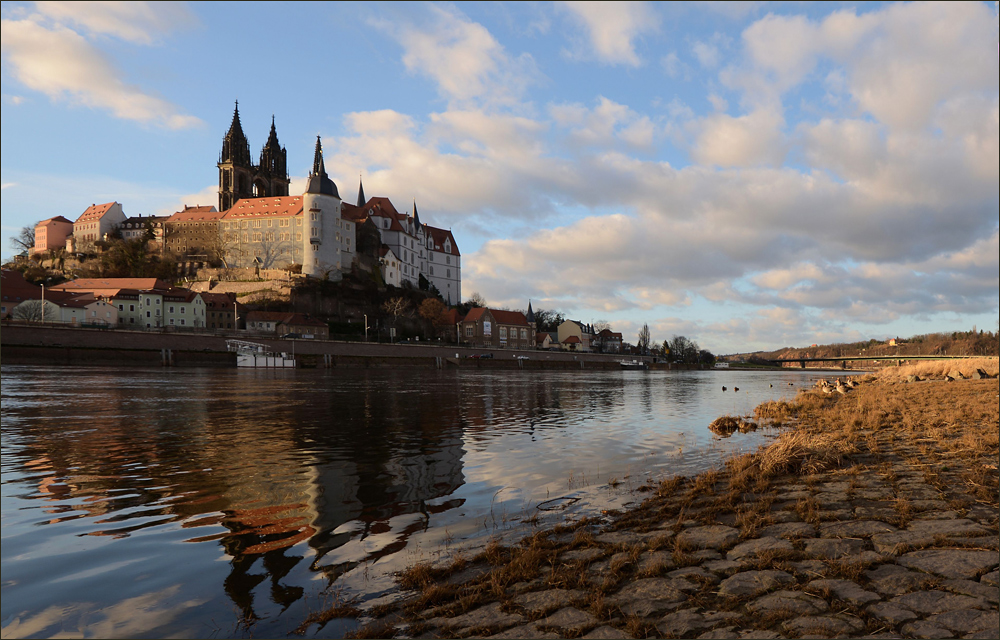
840 387
735 389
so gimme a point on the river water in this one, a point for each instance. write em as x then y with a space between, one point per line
226 503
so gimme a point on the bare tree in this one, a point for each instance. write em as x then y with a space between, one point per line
643 339
24 241
396 307
476 300
221 246
31 311
684 350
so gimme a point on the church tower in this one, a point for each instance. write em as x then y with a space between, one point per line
272 172
236 170
239 177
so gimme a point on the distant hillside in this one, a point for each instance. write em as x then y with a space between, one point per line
960 343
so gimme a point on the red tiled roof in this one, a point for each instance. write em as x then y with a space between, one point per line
55 219
509 317
608 333
223 300
382 208
502 317
176 294
475 314
453 316
195 214
571 340
439 236
273 206
95 212
94 285
353 213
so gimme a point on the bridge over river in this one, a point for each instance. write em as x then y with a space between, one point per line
897 359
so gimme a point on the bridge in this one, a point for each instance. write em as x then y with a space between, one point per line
898 359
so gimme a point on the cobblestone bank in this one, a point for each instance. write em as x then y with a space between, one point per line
893 539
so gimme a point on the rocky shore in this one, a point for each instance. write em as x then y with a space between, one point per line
874 515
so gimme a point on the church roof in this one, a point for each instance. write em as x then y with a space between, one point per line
270 206
95 212
361 193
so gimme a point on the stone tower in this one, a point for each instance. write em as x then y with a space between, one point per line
239 177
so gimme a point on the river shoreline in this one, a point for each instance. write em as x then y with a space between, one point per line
874 515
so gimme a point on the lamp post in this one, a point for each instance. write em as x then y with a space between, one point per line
366 327
43 303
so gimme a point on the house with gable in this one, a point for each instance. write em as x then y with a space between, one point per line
497 329
96 223
575 336
52 234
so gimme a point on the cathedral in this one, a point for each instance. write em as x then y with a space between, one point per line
239 177
259 225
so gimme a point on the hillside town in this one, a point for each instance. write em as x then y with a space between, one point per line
106 269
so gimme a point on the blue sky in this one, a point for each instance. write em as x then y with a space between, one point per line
750 175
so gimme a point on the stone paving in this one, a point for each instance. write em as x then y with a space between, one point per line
874 548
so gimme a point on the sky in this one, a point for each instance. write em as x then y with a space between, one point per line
748 175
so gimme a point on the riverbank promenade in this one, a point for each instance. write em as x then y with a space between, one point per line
875 514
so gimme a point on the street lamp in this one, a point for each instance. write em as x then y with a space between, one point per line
43 303
366 327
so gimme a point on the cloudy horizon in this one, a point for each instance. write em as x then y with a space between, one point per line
749 175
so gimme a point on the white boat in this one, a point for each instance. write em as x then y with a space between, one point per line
259 356
634 365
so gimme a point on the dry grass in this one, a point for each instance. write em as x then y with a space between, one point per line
726 426
937 369
376 629
957 424
778 411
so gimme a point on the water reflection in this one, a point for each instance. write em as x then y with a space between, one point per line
126 487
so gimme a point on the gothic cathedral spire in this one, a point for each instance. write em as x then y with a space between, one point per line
239 177
361 193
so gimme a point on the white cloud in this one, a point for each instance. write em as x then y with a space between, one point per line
137 22
605 124
744 141
208 196
61 64
900 62
707 54
612 27
464 59
672 65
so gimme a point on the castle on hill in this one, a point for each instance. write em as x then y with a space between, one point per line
261 224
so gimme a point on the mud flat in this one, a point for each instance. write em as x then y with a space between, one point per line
875 514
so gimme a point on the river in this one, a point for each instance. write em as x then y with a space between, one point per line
224 503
